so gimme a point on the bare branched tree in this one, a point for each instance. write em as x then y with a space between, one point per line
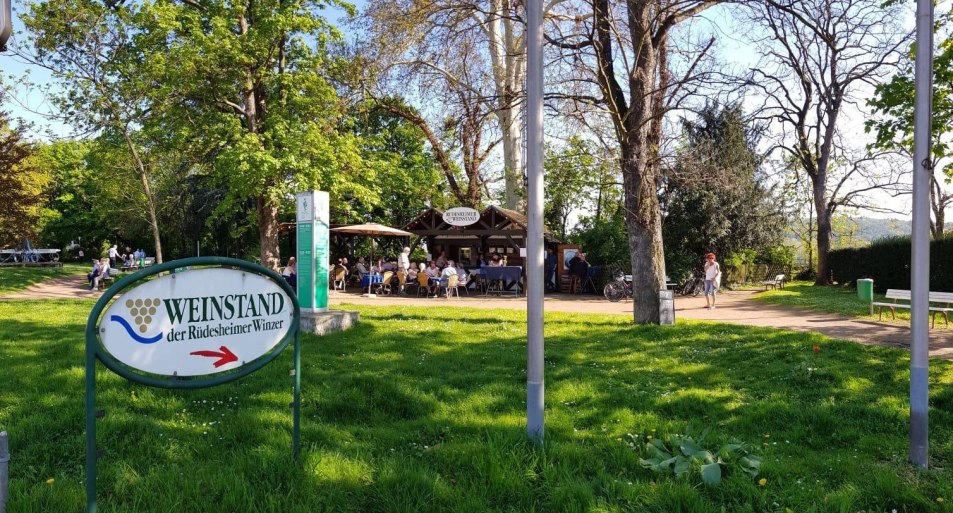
428 43
817 56
458 119
620 61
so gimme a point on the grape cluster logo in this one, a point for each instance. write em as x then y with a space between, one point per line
142 312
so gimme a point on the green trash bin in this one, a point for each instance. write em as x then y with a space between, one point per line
865 289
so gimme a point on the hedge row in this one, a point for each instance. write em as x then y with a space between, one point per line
887 261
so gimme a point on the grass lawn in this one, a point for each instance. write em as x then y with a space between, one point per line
15 279
423 410
834 299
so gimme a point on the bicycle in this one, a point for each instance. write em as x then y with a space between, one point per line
693 286
619 288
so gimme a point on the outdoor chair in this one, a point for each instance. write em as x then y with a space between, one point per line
462 284
340 278
401 281
453 281
383 288
423 284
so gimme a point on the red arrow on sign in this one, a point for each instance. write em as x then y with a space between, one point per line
225 356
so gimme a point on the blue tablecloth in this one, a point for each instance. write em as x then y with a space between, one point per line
368 279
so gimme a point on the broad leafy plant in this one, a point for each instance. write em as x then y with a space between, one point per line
684 455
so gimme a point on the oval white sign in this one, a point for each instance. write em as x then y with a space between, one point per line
461 216
197 322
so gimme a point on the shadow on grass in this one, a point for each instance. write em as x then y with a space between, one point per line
413 411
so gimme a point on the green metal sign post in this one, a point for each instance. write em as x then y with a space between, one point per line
218 321
313 251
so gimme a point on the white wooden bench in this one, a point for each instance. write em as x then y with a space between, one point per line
940 303
777 282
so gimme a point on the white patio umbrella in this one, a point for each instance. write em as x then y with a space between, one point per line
371 230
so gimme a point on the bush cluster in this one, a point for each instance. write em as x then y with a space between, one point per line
887 262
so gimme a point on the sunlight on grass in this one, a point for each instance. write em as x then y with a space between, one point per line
837 300
424 410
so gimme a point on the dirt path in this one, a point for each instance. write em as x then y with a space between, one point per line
736 307
63 287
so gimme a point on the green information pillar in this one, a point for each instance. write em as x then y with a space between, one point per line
313 256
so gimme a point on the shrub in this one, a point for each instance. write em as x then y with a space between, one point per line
887 262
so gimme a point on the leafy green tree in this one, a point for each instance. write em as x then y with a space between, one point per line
247 86
604 239
401 174
70 213
20 185
715 198
572 174
93 51
893 103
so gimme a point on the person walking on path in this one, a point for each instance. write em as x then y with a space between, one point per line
712 279
113 254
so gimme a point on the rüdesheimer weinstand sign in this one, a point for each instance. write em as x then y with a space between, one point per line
191 323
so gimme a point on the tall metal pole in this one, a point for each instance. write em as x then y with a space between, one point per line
4 471
6 23
920 250
534 233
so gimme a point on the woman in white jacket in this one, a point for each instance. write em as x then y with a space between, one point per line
712 279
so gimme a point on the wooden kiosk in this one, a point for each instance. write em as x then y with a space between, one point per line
497 230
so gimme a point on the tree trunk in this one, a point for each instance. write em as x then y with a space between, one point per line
938 201
512 157
644 223
824 233
507 59
268 232
150 198
938 226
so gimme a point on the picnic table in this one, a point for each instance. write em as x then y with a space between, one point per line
29 255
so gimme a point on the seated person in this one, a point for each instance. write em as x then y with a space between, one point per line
129 262
448 271
579 267
104 272
360 268
495 260
93 276
290 272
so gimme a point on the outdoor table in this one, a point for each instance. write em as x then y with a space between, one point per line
509 277
371 279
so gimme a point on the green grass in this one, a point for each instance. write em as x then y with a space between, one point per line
423 410
15 279
833 299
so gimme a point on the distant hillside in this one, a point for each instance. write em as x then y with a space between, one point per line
869 229
861 231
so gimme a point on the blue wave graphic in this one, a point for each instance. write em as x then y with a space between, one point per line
129 330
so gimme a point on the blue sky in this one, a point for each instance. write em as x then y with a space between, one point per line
734 49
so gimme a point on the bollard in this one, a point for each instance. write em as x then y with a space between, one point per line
666 306
4 471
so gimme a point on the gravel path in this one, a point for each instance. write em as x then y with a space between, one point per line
63 287
736 307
